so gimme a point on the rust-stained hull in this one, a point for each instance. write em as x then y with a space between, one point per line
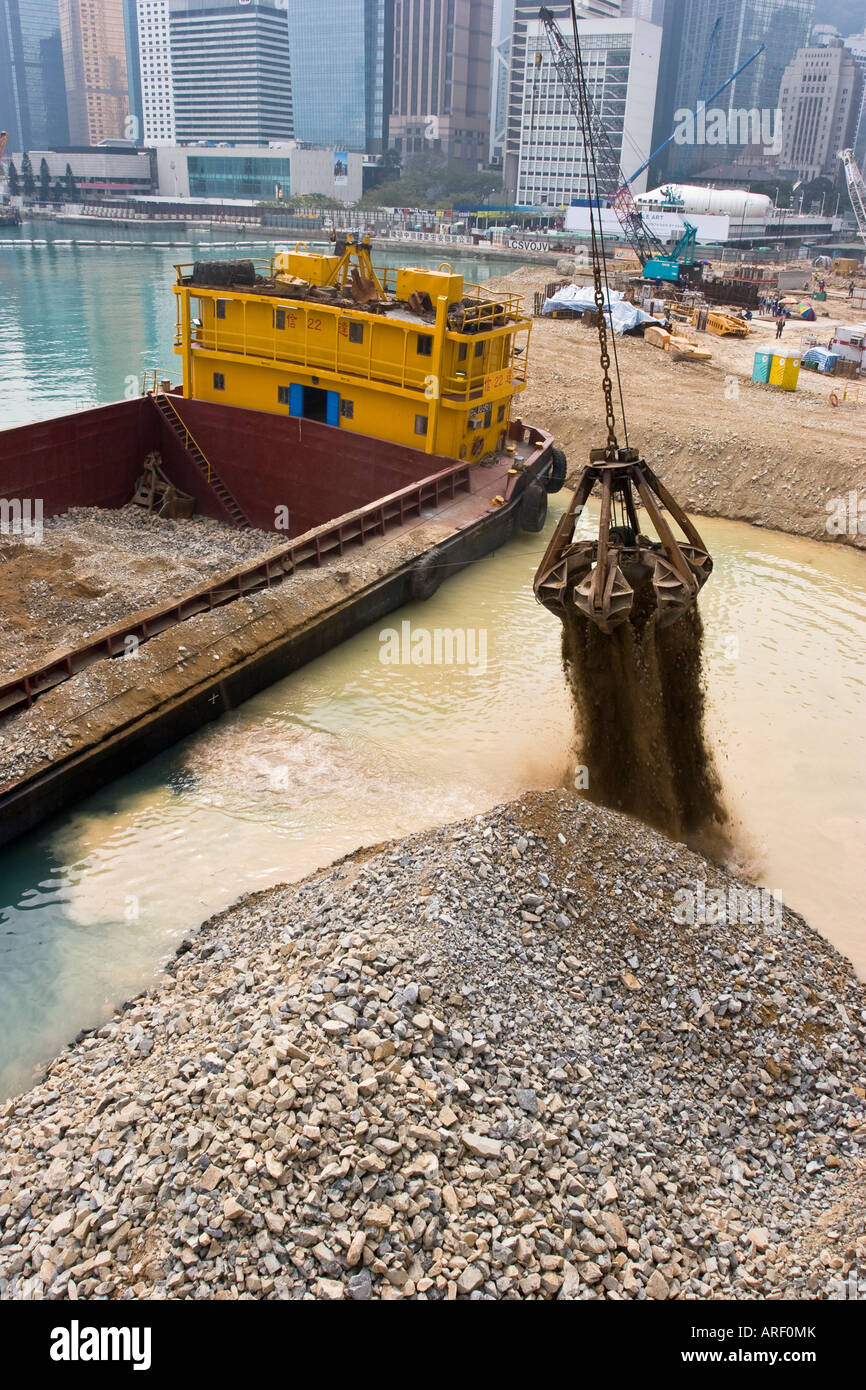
93 458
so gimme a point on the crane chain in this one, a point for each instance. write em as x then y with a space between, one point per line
612 446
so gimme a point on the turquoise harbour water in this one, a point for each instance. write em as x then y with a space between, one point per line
94 903
86 310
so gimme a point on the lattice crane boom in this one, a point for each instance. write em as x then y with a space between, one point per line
612 182
856 189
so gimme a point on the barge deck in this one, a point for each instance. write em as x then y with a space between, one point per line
89 713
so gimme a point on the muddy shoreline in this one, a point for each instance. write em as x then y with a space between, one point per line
724 445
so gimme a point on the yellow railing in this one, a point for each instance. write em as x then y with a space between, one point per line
348 359
512 304
153 377
189 437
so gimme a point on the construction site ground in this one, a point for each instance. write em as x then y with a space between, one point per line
724 445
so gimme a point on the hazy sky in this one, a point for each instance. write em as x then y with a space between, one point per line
849 16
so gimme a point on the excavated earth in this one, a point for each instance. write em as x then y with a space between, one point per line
724 445
485 1062
93 567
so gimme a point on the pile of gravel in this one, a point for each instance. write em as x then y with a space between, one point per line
484 1062
199 539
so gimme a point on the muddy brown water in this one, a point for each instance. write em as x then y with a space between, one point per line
353 750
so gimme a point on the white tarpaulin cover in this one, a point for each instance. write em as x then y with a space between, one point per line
619 312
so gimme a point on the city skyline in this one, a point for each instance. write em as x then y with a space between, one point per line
455 78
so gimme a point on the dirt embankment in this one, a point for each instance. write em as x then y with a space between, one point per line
724 445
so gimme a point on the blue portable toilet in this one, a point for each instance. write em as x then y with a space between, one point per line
761 369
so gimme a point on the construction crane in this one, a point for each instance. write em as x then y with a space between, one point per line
702 84
601 578
656 261
856 190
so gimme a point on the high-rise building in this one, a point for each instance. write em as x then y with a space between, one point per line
341 92
525 17
620 60
500 67
820 103
653 11
698 54
157 84
442 78
133 69
32 87
94 60
230 70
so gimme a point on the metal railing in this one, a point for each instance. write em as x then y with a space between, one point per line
313 548
319 346
152 381
511 305
189 437
322 342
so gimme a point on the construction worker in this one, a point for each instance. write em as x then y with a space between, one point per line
851 290
780 324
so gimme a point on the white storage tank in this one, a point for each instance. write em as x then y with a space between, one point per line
736 203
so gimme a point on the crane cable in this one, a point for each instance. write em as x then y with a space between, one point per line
599 259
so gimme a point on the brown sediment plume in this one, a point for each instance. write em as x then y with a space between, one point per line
639 706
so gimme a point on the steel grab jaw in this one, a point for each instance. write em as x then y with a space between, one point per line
599 577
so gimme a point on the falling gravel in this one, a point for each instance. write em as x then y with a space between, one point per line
638 697
485 1063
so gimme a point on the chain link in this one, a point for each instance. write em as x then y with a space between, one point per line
612 446
584 114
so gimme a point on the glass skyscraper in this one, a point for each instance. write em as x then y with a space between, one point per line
94 60
32 87
341 61
230 71
692 51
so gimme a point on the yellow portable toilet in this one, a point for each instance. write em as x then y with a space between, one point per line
784 371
